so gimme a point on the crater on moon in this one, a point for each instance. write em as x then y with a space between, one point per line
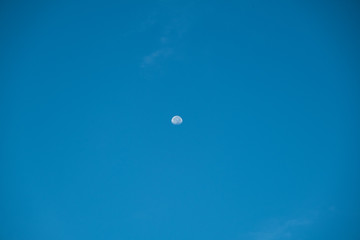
176 120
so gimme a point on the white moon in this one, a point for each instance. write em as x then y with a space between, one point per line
176 120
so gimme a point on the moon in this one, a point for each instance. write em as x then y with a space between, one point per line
176 120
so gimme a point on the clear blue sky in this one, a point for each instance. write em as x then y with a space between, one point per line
269 94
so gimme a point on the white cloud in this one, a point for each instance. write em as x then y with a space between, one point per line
172 30
279 231
155 55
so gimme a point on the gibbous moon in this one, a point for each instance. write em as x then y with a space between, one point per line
176 120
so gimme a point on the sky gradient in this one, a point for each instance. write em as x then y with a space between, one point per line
268 92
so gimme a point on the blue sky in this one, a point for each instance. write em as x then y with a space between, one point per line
269 95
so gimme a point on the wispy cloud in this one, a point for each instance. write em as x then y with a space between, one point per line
173 23
161 53
277 231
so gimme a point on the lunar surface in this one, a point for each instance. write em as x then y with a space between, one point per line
176 120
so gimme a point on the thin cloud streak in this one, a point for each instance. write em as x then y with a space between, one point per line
172 31
280 231
161 53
